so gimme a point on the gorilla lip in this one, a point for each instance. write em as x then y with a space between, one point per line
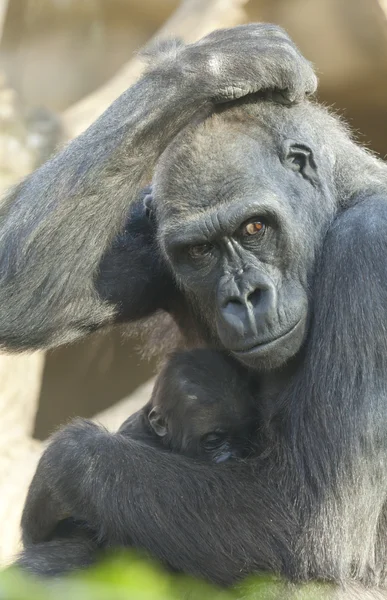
270 343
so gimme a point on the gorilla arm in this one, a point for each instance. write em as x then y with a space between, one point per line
57 224
121 486
313 507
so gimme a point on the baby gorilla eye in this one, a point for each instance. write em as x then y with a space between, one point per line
254 227
213 440
199 250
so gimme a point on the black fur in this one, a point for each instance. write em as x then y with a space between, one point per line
72 546
303 306
134 264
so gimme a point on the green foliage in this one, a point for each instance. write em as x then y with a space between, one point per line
130 578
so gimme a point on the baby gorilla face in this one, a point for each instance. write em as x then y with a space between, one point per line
202 407
197 432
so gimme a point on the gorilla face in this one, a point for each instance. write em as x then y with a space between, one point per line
236 223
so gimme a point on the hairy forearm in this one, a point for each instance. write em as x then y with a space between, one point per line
56 225
122 488
188 506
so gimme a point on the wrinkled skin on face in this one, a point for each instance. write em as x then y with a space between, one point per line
237 224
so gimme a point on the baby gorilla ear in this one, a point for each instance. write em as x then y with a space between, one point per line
157 422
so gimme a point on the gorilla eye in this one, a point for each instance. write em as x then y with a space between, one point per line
199 251
214 440
299 161
254 227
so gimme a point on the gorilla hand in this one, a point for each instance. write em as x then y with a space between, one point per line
247 59
56 491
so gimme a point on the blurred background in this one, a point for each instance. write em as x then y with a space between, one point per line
61 64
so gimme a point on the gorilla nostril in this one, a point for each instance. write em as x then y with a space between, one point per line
255 297
233 302
234 313
234 306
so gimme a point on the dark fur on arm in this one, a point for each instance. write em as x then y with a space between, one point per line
73 547
151 525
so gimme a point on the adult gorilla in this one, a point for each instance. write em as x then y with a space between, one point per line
260 209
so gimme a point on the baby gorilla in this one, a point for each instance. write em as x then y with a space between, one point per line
201 407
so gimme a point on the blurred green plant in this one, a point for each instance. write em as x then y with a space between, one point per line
131 578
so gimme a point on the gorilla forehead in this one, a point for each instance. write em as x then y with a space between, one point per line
211 165
235 155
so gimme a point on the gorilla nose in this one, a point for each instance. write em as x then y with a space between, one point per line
238 305
241 311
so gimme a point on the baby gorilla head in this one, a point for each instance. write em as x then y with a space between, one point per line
202 406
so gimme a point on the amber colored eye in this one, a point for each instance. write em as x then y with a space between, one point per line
254 227
199 251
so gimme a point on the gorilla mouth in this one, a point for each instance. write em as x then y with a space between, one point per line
267 346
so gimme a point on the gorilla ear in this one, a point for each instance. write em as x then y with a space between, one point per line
157 422
299 158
